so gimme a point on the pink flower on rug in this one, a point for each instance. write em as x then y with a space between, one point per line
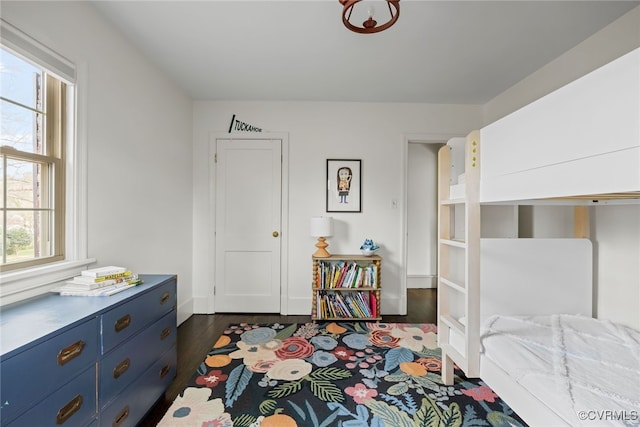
360 393
380 326
429 327
481 393
342 353
212 379
262 366
432 364
383 338
295 348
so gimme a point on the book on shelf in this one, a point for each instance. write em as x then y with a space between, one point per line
342 274
334 304
107 271
373 304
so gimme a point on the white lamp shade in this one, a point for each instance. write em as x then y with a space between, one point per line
322 226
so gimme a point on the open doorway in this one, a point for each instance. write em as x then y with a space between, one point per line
420 219
422 213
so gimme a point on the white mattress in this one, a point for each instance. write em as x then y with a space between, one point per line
572 363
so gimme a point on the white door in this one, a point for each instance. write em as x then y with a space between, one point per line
248 218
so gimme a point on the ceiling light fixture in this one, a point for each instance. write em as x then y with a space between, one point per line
370 25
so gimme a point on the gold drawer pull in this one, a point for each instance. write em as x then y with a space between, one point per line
68 410
121 368
121 416
165 297
123 322
164 371
165 332
70 352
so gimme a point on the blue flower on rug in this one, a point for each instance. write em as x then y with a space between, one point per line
332 374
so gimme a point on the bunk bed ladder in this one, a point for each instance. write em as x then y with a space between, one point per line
459 257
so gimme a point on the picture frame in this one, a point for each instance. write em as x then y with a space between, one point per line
344 185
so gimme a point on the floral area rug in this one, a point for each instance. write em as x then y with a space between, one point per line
332 374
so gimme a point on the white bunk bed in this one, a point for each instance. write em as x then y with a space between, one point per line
527 329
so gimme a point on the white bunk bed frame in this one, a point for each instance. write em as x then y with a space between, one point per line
579 145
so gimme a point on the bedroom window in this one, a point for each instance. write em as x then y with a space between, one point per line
32 110
43 192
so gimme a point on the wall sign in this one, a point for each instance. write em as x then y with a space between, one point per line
239 126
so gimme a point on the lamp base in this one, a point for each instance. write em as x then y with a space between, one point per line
322 251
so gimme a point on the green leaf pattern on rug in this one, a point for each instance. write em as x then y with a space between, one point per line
330 373
268 406
429 415
391 415
320 383
287 332
285 389
244 420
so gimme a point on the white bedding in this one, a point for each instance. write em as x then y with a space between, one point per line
586 370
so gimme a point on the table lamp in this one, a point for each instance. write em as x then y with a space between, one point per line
322 227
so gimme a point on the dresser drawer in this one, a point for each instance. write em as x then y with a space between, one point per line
33 374
74 404
125 320
127 362
136 400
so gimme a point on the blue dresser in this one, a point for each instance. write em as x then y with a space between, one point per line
88 361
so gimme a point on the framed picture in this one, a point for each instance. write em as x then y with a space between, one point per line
344 185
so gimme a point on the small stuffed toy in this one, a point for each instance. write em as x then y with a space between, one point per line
368 245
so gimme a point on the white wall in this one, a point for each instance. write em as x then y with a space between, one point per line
138 138
318 131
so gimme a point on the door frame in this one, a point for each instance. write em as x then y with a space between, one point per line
412 138
284 209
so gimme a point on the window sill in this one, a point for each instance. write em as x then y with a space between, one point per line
23 284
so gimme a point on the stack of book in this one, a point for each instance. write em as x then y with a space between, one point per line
347 275
350 305
101 281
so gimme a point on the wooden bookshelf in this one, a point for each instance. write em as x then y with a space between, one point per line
346 288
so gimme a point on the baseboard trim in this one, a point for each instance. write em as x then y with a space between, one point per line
422 281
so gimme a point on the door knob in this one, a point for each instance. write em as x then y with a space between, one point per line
275 234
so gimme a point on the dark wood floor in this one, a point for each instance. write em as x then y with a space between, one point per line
198 333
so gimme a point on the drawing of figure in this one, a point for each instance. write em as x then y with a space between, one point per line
344 183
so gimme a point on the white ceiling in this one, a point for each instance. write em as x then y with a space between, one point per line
438 52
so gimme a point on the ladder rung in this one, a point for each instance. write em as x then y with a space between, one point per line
453 201
453 285
451 322
455 243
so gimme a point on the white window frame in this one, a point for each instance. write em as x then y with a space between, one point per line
16 285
